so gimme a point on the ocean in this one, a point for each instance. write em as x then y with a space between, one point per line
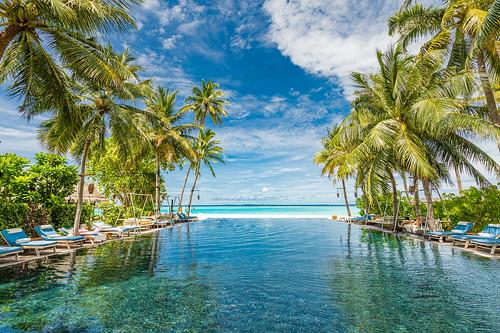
269 211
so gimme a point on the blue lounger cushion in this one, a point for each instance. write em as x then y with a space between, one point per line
460 229
47 232
489 241
10 249
17 237
491 231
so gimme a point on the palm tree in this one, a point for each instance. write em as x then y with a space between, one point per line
207 101
181 196
329 158
466 27
41 39
408 117
208 151
99 110
167 136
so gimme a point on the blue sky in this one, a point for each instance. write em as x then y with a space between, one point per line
285 68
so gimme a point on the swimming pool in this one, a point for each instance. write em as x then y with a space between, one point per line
256 275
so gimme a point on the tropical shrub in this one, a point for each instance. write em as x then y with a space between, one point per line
117 177
481 206
37 194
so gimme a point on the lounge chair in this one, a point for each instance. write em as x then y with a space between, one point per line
10 250
117 231
92 236
489 244
460 229
140 224
17 237
48 233
490 232
184 218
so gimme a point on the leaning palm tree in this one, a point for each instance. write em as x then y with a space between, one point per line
182 163
408 115
41 40
207 100
99 111
168 137
329 157
208 151
464 27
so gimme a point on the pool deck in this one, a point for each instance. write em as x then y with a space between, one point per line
29 257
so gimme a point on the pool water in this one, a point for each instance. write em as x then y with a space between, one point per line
256 275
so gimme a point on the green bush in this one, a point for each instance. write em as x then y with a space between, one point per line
481 206
12 213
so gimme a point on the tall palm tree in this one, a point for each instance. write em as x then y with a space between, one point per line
207 100
208 151
465 27
100 111
168 137
41 39
408 117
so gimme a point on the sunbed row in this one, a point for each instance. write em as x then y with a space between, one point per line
488 238
18 241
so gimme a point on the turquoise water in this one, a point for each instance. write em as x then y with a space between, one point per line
256 275
273 210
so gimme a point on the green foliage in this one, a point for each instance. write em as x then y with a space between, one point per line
47 182
111 212
37 194
115 176
11 166
11 213
481 206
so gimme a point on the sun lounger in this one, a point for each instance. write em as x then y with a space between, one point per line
47 232
92 236
460 229
140 224
17 237
10 251
118 231
490 244
491 231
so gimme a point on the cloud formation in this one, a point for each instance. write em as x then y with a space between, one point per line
331 38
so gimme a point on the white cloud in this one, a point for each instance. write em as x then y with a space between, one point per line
331 38
265 189
169 42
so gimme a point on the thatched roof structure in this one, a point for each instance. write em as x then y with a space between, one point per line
90 194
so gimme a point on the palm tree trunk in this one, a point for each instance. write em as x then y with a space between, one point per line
395 201
418 211
405 184
157 183
183 188
488 91
428 199
81 184
345 199
6 36
197 173
459 179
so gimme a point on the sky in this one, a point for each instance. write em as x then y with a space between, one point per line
285 68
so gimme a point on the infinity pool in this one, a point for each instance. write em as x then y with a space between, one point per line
256 276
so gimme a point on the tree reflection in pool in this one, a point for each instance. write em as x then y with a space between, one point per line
256 275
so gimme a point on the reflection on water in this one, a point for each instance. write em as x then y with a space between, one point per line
256 276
